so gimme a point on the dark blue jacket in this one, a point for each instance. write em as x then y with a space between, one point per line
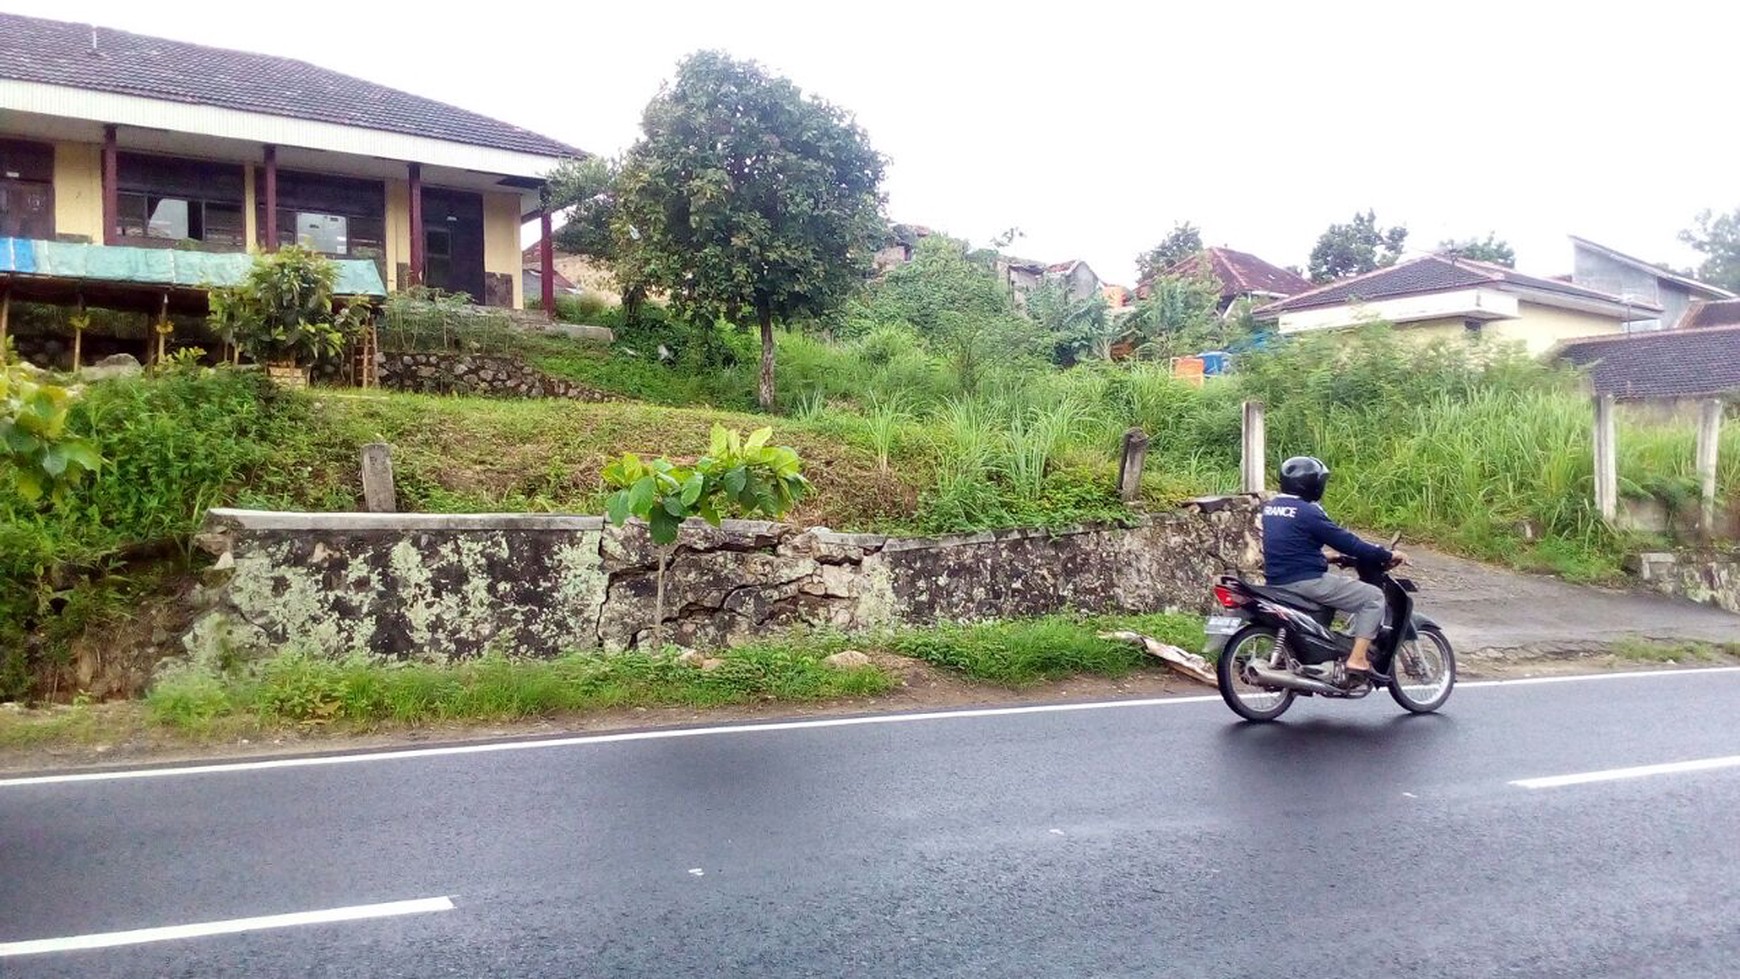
1294 535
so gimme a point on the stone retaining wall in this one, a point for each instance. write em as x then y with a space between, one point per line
467 373
445 586
1712 579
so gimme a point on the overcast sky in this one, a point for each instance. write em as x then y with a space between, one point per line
1094 126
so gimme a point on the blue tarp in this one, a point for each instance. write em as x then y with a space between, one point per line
174 268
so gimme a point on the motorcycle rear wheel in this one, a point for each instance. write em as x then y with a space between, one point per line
1247 699
1423 672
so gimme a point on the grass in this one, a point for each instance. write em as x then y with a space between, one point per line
297 689
1659 651
1026 652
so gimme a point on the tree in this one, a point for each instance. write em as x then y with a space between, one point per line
745 196
1184 241
745 477
1356 248
956 305
1717 238
588 191
282 311
1180 316
1493 249
1075 328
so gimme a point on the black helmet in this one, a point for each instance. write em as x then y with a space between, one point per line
1304 477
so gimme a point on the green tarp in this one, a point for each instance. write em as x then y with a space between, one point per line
174 268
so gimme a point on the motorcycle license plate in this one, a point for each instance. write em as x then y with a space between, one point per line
1223 625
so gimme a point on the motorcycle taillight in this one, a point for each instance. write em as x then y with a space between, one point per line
1226 597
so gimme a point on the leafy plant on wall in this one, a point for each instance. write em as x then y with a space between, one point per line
737 477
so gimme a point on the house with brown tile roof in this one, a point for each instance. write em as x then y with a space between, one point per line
1241 276
1437 296
1709 313
123 141
1662 366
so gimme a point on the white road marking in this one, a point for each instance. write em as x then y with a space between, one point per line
143 935
317 761
1640 771
697 872
1585 677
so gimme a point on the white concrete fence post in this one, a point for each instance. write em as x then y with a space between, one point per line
1606 460
1709 437
1252 468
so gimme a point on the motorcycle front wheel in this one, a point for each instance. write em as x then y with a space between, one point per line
1246 698
1423 672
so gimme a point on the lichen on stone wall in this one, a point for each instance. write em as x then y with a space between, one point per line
442 587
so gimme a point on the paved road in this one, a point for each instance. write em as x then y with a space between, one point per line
1151 840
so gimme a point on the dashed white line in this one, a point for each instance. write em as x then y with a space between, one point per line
205 929
1618 774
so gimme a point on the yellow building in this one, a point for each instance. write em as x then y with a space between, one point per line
1437 296
124 141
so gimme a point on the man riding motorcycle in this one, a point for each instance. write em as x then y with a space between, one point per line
1295 531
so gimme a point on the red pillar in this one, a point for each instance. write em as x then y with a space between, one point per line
269 227
416 175
111 188
546 265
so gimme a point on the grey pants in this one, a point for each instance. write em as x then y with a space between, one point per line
1363 603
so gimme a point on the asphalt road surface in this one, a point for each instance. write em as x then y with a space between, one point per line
1157 839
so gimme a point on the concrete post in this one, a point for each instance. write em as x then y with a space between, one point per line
1606 459
1253 468
1130 465
1709 437
377 478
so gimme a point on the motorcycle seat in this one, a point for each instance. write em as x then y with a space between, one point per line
1287 598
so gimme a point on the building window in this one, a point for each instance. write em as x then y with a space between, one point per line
216 223
340 217
168 199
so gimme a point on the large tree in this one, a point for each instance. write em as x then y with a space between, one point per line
1356 248
588 191
746 197
1184 241
1492 249
1717 237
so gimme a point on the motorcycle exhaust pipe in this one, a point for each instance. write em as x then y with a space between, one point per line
1281 678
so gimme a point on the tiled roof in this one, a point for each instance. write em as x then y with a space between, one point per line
53 52
1661 364
1429 274
1702 315
1242 274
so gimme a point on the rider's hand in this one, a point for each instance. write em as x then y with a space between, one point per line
1397 558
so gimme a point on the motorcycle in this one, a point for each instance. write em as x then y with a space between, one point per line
1272 647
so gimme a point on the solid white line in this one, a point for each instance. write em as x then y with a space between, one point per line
1615 774
656 735
317 761
113 938
1584 677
